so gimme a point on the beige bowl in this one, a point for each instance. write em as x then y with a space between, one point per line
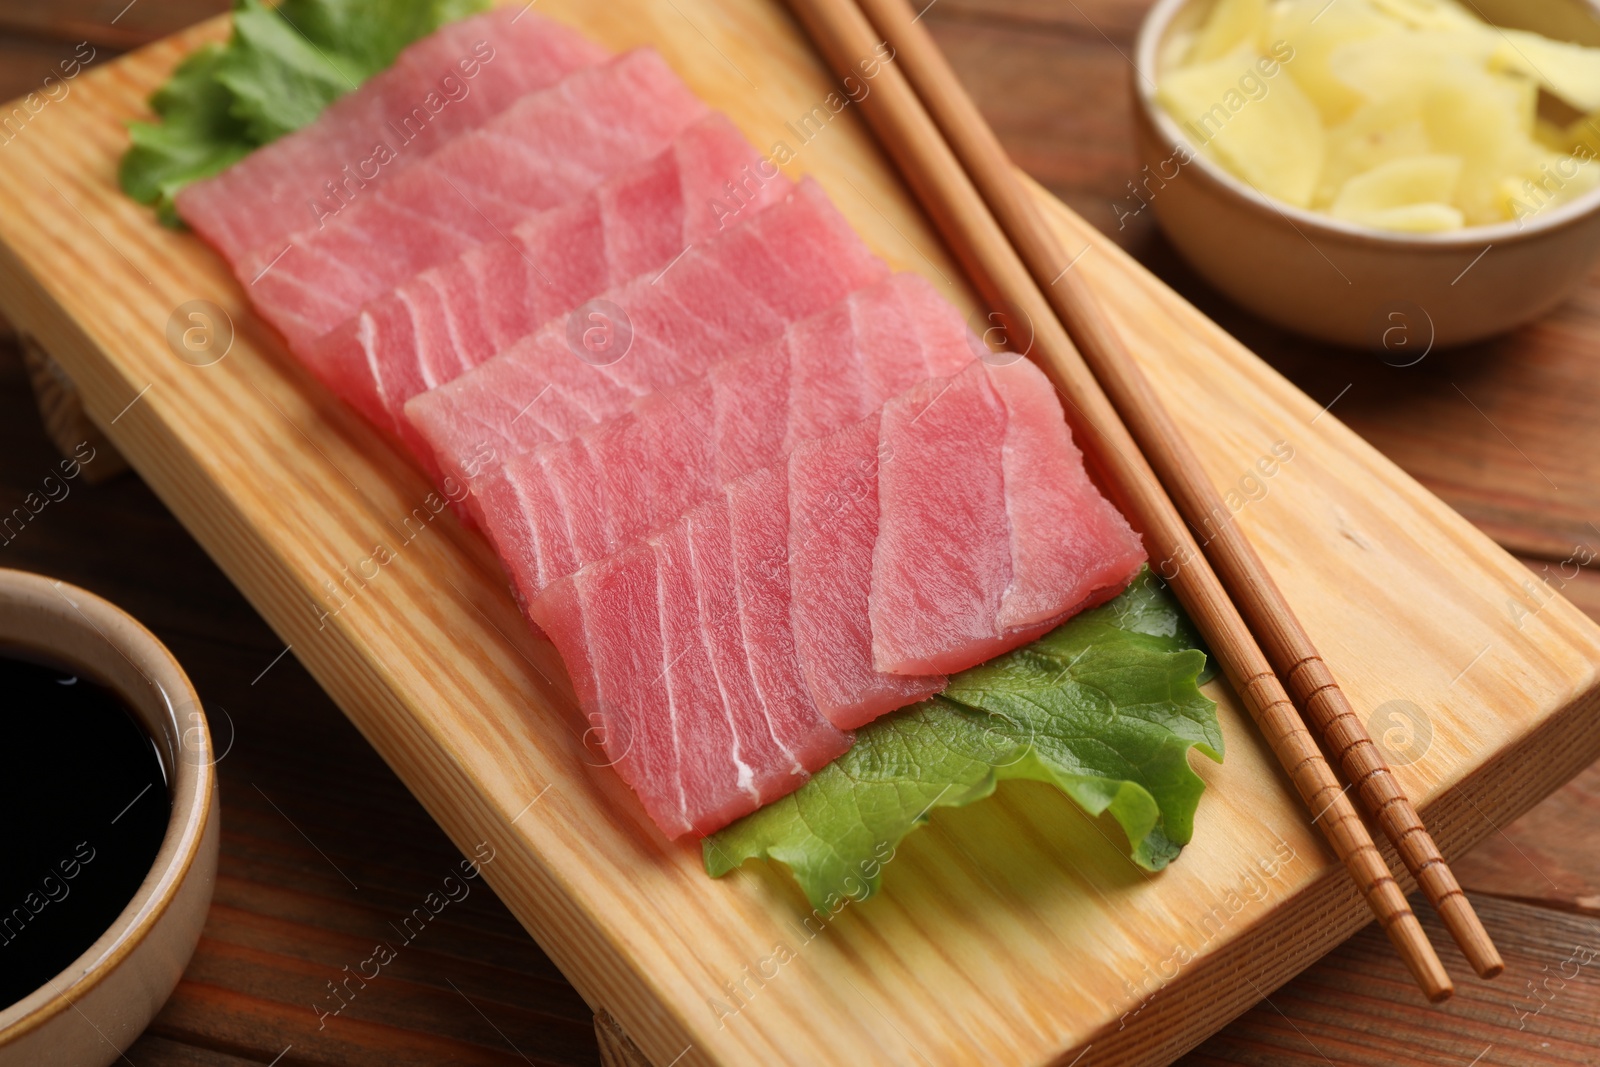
1350 284
108 995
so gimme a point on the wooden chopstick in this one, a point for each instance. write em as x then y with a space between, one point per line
1265 610
945 189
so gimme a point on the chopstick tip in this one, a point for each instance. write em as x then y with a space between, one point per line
1406 934
1467 929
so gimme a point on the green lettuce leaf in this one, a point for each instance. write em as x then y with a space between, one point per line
1146 607
1105 708
280 69
196 137
287 63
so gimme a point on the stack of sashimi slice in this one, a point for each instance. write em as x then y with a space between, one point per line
782 499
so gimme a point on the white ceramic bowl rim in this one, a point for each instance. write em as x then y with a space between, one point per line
191 782
1146 59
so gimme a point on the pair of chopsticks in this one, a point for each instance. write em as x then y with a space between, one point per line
963 178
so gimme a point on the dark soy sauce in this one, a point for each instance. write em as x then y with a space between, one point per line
84 796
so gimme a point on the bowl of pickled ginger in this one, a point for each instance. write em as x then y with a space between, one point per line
1402 175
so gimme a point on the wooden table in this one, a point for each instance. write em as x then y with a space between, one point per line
323 848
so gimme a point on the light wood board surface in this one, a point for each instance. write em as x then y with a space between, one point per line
1016 928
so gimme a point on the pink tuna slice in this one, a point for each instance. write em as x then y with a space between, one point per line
711 720
576 501
989 531
791 260
447 320
833 524
655 640
546 149
449 82
1066 537
758 516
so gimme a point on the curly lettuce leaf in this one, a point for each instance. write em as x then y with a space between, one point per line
1146 607
280 69
1105 708
198 136
289 62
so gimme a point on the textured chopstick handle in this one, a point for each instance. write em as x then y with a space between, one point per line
1343 734
1258 598
1351 746
1333 812
946 189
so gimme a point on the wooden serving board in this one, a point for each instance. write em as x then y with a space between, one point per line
1012 932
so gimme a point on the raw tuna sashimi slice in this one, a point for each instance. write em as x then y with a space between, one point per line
989 531
942 561
452 317
758 517
657 635
1066 537
544 150
603 489
790 261
441 86
781 737
817 552
833 525
606 623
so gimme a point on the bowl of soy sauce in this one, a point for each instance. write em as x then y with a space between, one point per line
108 856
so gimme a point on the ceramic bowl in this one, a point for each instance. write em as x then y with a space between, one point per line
1350 284
92 1011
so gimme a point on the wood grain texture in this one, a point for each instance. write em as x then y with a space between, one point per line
291 742
963 178
61 409
1539 1013
1023 920
1067 145
1549 856
616 1047
1055 90
1240 601
303 797
109 23
1510 433
1502 431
